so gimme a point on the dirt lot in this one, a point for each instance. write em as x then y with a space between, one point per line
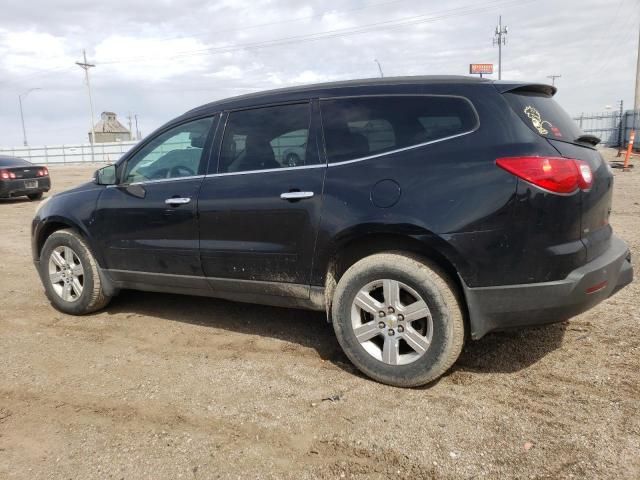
160 386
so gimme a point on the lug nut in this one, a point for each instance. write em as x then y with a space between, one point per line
400 329
391 332
381 313
390 310
400 317
381 325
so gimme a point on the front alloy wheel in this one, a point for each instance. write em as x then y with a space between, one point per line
66 273
70 274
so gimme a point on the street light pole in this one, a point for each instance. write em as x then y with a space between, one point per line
20 97
379 67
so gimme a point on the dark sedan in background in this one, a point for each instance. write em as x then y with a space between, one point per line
21 178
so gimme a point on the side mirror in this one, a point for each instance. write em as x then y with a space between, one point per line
105 175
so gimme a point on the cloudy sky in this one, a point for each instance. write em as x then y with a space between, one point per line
158 59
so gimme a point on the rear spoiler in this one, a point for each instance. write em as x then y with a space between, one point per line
504 87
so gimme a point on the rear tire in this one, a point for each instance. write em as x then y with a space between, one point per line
405 339
35 196
70 275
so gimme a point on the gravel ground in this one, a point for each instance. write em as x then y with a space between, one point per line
164 387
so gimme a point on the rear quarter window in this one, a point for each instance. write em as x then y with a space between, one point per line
542 114
362 126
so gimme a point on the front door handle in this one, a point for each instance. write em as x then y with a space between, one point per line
177 201
295 195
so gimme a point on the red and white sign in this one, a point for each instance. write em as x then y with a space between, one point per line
481 68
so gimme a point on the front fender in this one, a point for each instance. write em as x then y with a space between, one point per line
71 209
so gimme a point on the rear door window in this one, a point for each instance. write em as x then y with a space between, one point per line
362 126
543 115
267 138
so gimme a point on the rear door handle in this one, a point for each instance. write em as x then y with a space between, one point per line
295 195
177 201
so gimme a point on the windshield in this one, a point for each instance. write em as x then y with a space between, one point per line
544 115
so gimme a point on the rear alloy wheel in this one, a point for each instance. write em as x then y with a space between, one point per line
70 274
392 322
398 319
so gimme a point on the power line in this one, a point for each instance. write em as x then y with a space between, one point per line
289 20
391 24
310 17
388 25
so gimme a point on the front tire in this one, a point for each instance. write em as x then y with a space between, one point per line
69 273
398 319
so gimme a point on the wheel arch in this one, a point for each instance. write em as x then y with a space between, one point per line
53 224
430 248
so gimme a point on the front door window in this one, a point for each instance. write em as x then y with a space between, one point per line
174 154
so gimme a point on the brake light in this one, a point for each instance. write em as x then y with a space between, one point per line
5 175
555 174
43 172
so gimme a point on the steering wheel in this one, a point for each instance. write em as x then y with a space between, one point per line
180 171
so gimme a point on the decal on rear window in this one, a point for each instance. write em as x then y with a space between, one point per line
537 121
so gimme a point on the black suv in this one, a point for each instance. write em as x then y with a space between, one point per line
415 211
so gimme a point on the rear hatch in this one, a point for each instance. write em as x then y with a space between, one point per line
535 105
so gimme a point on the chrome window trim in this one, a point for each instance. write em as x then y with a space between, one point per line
266 170
160 180
404 149
410 147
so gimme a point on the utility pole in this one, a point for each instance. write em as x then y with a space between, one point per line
500 39
20 97
636 100
86 66
620 126
137 131
130 131
553 78
636 105
379 67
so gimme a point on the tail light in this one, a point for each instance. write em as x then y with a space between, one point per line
43 172
555 174
5 175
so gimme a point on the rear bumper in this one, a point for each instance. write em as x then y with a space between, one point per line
502 307
17 188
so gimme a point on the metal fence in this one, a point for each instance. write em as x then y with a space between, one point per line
58 154
613 128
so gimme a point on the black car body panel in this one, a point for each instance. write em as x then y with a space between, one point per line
506 241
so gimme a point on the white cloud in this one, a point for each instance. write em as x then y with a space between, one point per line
168 62
149 59
29 51
230 72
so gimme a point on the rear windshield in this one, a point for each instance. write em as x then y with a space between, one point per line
544 115
13 162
